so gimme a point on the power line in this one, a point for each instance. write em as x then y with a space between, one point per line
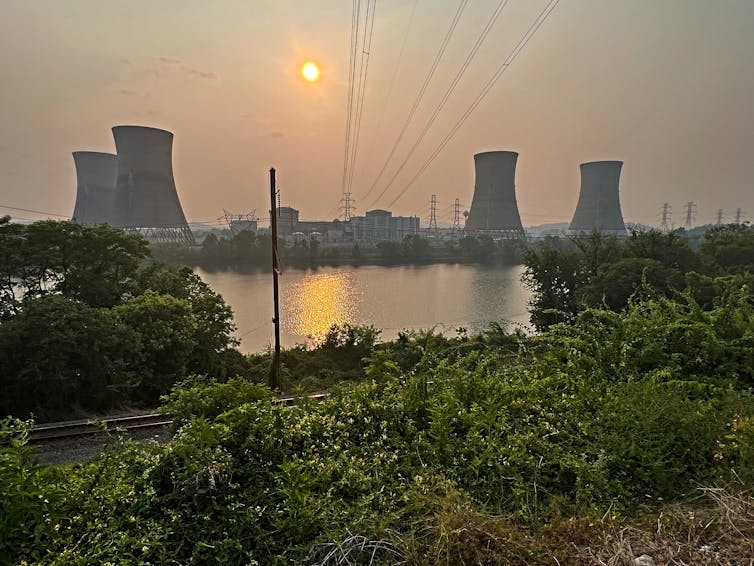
361 92
355 17
398 62
422 91
541 18
446 96
34 211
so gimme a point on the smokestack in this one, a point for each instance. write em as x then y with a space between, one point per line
146 200
598 209
493 207
95 186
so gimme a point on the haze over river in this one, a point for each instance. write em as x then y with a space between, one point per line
390 298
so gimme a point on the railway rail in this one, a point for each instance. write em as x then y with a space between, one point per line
70 429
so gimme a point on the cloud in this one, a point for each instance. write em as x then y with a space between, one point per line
200 74
129 92
276 135
179 66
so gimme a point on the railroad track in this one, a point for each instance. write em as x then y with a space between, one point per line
71 429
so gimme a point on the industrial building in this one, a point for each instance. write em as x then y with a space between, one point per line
494 210
96 174
381 225
146 200
598 208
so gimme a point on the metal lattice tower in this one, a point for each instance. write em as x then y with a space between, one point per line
690 214
348 206
235 220
739 213
457 216
666 214
720 215
433 214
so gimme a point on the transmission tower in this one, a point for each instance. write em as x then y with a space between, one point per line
690 214
240 222
348 206
433 214
457 216
739 213
720 215
666 213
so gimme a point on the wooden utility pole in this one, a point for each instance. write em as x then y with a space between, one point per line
275 381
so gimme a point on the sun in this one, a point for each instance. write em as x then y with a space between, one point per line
310 71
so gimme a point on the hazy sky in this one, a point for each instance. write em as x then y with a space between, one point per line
664 85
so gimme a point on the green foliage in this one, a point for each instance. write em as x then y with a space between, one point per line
200 396
568 276
86 325
29 500
728 249
165 330
57 353
96 265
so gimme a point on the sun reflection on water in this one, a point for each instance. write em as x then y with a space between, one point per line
314 303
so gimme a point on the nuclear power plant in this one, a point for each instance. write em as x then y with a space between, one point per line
146 200
133 190
95 186
493 206
598 209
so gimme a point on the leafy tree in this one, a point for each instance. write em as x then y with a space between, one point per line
616 282
670 249
728 249
415 247
57 353
554 274
214 326
93 264
165 330
390 251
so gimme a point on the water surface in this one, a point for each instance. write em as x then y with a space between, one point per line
391 298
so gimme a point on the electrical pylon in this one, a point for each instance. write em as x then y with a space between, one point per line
690 214
666 214
433 214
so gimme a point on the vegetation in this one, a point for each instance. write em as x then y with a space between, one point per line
567 276
247 249
585 443
88 324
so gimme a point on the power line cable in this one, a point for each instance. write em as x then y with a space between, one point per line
365 52
34 211
453 84
355 17
398 62
422 91
541 18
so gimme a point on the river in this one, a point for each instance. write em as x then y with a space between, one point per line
390 298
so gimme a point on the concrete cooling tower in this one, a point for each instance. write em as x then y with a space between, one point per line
598 209
95 186
146 200
493 207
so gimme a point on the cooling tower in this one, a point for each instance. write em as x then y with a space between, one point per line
95 186
146 200
493 207
598 209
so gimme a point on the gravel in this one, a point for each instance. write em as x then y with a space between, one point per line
76 449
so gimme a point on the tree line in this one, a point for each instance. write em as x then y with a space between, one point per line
569 275
89 323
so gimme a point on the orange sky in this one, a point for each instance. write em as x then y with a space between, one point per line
664 85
